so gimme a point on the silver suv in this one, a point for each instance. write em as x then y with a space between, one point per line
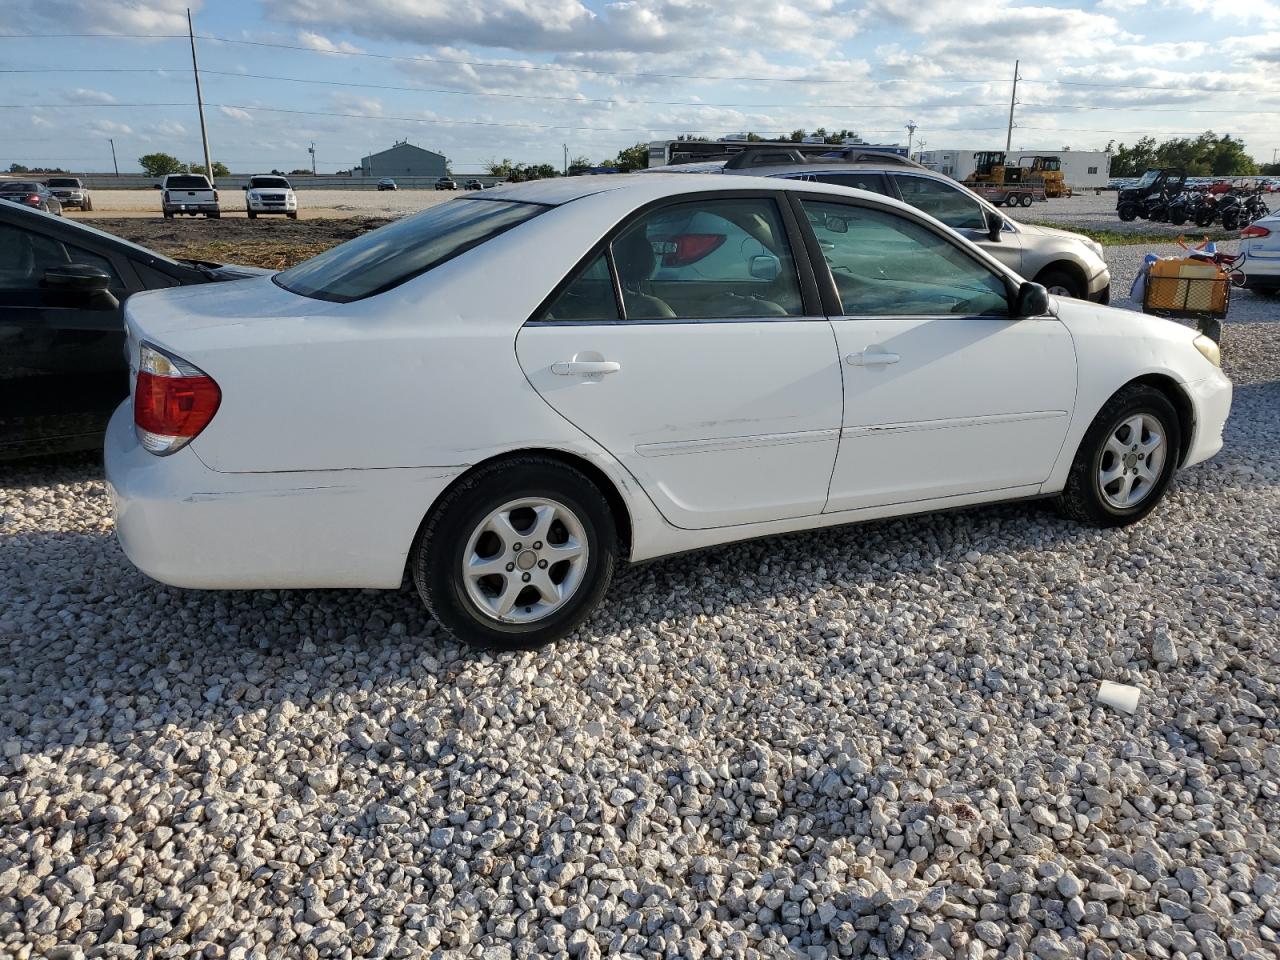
1068 264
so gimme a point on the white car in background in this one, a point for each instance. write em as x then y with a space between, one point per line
670 362
270 194
1260 245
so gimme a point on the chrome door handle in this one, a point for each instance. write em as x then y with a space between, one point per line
870 358
585 368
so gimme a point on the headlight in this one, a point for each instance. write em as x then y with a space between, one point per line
1208 349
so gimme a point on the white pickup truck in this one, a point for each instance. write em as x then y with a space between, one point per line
70 192
188 193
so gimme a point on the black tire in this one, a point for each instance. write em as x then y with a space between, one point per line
437 555
168 214
214 216
1082 498
1230 220
1127 211
1026 200
1065 280
252 215
87 206
1177 217
292 214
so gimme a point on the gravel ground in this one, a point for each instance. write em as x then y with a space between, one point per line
883 739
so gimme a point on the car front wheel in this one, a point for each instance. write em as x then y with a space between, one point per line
1126 460
516 555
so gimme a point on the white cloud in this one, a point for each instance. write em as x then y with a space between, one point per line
235 113
82 95
104 16
316 41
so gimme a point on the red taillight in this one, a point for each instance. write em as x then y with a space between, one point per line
34 199
1254 231
686 248
172 400
215 194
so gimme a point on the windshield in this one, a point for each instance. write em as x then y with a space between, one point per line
63 182
1148 178
278 182
384 258
187 183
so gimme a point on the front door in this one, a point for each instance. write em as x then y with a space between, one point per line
685 349
62 365
945 393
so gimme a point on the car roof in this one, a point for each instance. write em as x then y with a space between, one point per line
640 188
77 231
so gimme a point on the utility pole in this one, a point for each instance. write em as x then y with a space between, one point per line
195 68
312 150
911 132
113 155
566 158
1013 99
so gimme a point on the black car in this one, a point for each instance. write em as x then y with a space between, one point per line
62 358
474 184
30 193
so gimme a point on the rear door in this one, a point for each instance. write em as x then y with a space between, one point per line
62 366
962 212
692 346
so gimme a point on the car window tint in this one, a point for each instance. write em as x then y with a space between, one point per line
708 259
874 182
186 183
885 265
384 258
25 256
257 183
589 296
950 204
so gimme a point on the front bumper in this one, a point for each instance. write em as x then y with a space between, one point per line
1211 404
266 206
188 526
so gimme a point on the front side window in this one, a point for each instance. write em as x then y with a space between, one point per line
884 265
387 257
708 259
943 201
25 256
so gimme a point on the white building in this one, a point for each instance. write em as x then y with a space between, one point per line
1082 169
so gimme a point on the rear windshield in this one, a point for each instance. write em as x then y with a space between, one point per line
387 257
269 182
187 183
14 186
63 182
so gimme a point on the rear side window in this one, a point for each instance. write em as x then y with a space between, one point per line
859 181
384 258
186 183
590 296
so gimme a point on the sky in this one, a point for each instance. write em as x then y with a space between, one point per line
524 79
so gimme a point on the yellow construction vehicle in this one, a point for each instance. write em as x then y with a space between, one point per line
1048 172
999 183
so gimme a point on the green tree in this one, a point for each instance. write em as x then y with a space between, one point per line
579 165
160 164
1270 169
632 158
219 168
18 168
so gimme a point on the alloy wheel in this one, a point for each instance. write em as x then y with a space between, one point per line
1132 461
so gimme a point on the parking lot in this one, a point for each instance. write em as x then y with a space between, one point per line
882 738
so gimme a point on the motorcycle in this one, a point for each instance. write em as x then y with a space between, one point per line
1255 208
1205 210
1179 208
1231 210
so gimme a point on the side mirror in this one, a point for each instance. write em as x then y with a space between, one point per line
1032 300
245 187
836 224
77 278
765 267
995 224
81 284
156 185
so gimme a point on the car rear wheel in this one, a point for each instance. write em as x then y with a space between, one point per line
516 555
1125 461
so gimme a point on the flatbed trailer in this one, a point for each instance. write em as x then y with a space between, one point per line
1009 194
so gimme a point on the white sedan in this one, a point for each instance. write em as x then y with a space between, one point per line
510 393
1260 246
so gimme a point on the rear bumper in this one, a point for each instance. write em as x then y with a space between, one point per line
188 526
1211 404
191 208
1261 272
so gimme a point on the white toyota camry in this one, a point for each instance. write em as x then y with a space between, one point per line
513 391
